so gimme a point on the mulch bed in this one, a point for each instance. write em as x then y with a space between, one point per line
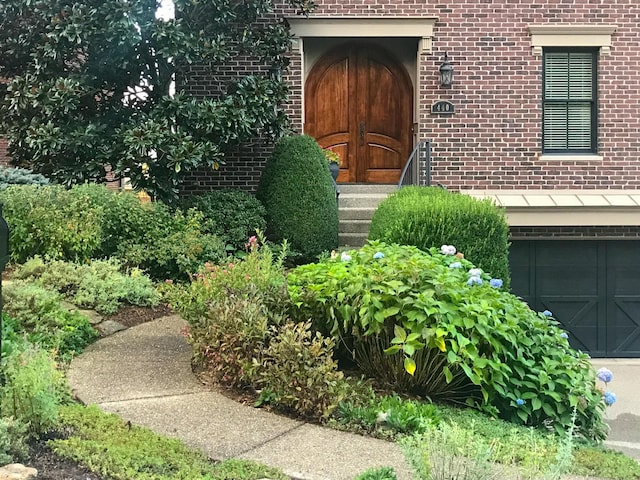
130 316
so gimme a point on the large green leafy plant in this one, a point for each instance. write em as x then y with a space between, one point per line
89 86
519 360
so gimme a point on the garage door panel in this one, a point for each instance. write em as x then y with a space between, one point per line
623 327
579 316
591 286
574 280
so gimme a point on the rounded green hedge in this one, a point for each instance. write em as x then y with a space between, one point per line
298 195
428 217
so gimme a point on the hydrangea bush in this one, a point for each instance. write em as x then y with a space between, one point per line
523 366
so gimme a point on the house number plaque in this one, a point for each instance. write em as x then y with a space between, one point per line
443 107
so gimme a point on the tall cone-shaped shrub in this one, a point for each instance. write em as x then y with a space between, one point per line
298 195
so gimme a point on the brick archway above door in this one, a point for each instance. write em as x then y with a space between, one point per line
359 102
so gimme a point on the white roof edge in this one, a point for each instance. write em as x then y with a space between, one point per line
568 207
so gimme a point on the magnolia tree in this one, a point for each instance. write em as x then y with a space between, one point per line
88 86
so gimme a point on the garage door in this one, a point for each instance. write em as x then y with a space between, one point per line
592 288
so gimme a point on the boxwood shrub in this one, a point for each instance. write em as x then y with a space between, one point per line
523 366
427 217
299 198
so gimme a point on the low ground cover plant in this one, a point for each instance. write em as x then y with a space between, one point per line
519 360
36 313
431 216
98 284
108 446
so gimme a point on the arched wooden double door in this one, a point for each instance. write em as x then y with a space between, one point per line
359 102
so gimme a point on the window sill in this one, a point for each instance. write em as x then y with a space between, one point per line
570 158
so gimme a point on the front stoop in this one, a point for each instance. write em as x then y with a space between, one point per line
356 206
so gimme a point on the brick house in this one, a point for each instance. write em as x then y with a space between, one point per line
543 115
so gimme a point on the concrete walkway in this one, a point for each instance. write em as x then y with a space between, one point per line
144 375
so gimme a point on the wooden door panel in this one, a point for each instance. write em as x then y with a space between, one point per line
330 109
385 105
359 103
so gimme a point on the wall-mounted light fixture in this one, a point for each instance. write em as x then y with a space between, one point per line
446 72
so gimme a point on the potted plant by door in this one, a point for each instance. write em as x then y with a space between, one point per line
333 160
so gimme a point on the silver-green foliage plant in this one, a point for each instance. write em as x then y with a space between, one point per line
525 369
20 176
99 284
13 446
449 452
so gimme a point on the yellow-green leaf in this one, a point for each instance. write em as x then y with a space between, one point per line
409 365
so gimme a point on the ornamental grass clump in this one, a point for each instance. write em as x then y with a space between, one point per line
515 363
428 217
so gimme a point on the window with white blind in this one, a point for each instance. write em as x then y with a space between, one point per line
569 101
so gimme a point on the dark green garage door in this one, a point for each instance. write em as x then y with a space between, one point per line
592 288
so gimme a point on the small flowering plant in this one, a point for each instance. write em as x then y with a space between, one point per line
605 376
331 156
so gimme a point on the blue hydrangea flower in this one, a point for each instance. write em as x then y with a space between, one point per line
448 250
474 281
345 257
564 335
520 402
496 282
547 313
475 272
604 374
455 265
609 398
378 255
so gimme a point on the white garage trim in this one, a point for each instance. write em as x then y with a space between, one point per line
566 207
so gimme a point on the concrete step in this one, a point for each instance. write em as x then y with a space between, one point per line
354 240
355 213
361 200
354 226
365 189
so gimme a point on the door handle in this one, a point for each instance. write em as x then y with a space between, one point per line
362 126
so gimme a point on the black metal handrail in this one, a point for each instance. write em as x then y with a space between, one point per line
411 170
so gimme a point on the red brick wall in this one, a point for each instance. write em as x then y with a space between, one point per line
575 233
4 155
494 138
